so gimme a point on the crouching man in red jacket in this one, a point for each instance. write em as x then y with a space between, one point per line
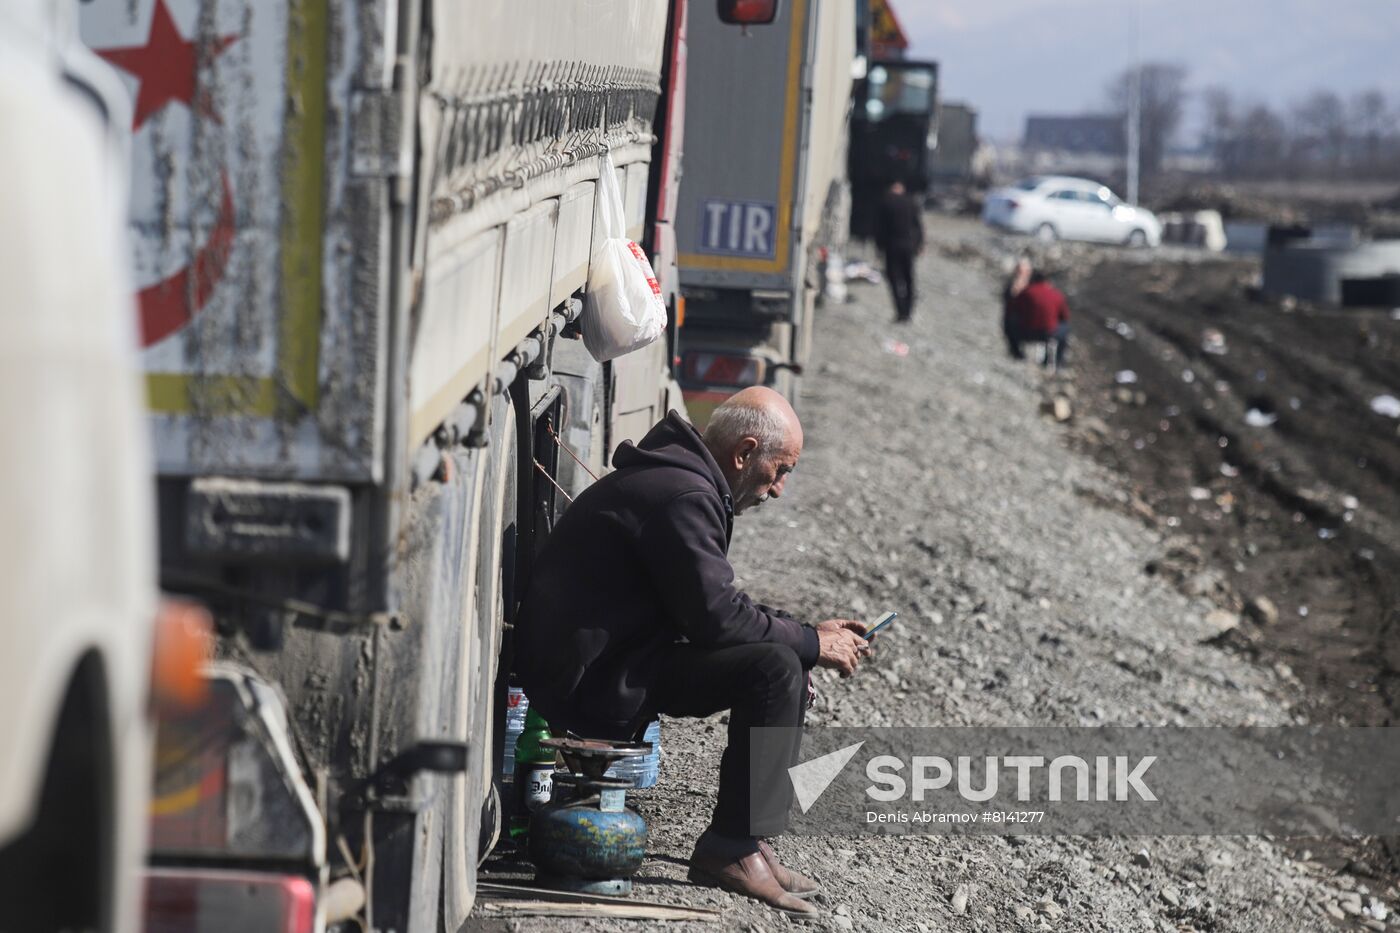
1038 312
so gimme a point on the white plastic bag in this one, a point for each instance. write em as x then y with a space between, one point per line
622 307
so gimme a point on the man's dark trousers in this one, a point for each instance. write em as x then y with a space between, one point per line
761 684
899 269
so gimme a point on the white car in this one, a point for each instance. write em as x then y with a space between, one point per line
1053 207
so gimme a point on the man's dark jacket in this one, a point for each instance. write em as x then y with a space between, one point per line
637 563
899 225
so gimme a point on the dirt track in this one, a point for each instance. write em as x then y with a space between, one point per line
932 484
1304 510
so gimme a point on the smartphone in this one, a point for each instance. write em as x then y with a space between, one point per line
882 622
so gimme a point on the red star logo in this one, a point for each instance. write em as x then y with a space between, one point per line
166 67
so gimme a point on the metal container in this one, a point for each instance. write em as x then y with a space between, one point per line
586 839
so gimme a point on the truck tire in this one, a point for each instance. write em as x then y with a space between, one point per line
493 529
59 875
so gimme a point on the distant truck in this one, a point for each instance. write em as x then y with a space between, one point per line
763 198
362 232
77 544
958 163
894 125
953 157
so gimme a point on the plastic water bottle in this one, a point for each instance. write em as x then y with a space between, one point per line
534 773
517 704
643 770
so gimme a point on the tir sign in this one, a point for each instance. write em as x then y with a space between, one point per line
737 228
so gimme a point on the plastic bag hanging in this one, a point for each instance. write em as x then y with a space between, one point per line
622 306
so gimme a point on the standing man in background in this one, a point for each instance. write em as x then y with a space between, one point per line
899 235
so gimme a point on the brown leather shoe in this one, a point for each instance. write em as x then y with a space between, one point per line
793 882
750 876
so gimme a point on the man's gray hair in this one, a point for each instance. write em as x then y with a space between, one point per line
731 423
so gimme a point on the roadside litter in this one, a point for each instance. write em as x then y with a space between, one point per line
1387 405
895 347
1213 342
1125 377
858 270
1121 328
1259 419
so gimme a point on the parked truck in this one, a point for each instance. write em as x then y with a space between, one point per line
959 164
953 157
894 125
763 200
77 540
361 236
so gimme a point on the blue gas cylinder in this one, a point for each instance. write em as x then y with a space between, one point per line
588 834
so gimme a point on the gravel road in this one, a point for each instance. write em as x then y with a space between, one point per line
932 484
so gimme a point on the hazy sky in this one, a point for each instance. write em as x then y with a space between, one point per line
1009 58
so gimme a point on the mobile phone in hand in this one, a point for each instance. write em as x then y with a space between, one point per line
872 630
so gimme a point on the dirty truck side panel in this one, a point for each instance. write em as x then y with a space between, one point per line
258 227
524 99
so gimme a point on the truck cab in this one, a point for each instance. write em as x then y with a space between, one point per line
78 598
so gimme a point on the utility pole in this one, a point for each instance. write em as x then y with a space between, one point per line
1135 106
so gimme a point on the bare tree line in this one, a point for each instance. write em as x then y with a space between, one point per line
1321 136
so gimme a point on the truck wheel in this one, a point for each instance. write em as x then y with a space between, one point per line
473 819
59 874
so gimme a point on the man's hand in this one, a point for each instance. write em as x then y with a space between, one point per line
842 645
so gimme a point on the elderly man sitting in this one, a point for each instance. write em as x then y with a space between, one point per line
632 612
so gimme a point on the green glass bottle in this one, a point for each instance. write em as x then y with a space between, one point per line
534 773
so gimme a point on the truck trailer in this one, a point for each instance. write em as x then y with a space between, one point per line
362 233
763 199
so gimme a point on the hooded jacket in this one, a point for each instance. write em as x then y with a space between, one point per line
637 563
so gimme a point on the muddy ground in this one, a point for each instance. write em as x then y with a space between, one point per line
1040 581
1301 501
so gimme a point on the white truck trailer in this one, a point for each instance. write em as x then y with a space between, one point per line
362 232
764 199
